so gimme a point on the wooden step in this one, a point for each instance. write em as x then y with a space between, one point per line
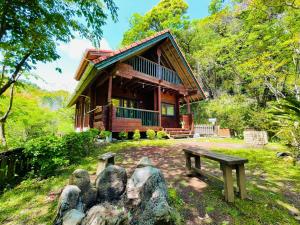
179 132
175 129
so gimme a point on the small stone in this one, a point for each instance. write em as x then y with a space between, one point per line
69 199
145 161
81 178
106 214
73 217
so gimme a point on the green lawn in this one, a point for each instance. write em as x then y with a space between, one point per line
273 186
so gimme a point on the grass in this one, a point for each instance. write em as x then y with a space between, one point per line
271 181
29 202
273 187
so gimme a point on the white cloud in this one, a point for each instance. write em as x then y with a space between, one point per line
71 54
76 47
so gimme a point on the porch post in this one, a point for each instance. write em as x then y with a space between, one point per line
188 105
159 105
109 103
81 113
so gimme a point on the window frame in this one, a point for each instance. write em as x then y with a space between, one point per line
168 104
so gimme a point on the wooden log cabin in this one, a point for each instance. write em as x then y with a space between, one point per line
141 86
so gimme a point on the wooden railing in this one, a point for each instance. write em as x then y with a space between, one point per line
153 69
14 164
148 117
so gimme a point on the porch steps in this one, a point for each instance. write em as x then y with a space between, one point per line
176 133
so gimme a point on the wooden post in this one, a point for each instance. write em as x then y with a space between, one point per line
81 113
158 52
109 92
109 103
241 180
198 162
188 105
159 105
92 106
228 183
188 162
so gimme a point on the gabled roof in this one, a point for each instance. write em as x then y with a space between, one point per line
97 60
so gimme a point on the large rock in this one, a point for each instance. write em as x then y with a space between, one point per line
70 198
111 184
147 196
106 214
81 178
73 217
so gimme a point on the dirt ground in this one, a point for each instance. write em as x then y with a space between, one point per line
171 161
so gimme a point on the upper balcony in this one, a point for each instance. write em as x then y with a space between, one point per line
153 69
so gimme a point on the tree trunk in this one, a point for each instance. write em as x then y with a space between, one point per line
2 134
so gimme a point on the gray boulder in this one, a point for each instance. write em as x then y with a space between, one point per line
81 178
70 198
73 217
106 214
147 196
111 184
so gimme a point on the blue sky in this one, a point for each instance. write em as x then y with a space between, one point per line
72 52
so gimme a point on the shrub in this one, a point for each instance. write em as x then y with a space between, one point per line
161 134
123 135
47 153
78 145
136 135
150 134
104 134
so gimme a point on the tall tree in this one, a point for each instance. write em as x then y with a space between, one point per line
31 30
167 14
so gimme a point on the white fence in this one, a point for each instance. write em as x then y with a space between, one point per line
205 130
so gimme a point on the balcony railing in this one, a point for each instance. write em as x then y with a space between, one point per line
153 69
148 117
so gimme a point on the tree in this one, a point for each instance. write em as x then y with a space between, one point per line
167 14
31 30
286 114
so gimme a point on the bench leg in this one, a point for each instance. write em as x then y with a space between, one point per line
197 162
188 163
241 180
228 183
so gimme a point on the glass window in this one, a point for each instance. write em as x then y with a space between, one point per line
127 103
167 109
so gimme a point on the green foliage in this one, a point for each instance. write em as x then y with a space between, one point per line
286 116
136 135
33 35
36 113
167 14
150 134
161 134
78 145
123 135
104 134
50 153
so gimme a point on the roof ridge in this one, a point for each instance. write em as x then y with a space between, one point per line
134 44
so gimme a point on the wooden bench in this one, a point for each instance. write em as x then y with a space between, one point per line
227 164
105 160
